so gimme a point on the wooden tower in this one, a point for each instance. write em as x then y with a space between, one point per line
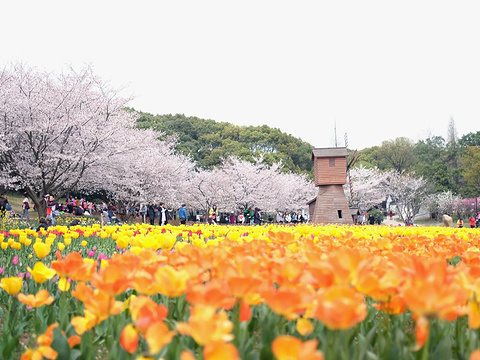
330 205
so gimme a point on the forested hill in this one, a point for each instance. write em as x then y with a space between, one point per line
208 141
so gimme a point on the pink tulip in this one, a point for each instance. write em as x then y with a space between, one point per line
28 275
118 248
94 248
102 256
21 275
15 260
1 270
91 253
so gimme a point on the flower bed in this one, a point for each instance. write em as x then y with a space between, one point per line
305 292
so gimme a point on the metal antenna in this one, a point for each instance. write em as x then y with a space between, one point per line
349 163
335 130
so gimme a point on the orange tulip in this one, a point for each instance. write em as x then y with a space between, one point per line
73 267
98 307
158 336
421 332
473 312
144 282
214 293
44 342
40 299
340 307
187 355
394 306
220 351
171 282
475 355
433 289
129 339
245 311
145 312
292 348
304 327
84 323
241 287
289 302
113 279
206 326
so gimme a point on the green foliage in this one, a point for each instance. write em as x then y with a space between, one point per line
452 166
208 141
377 215
471 168
431 162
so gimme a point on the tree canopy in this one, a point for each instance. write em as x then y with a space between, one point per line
447 165
208 142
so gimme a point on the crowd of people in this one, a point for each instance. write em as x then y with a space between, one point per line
473 220
147 212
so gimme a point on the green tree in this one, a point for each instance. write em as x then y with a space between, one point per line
471 170
208 142
431 163
398 154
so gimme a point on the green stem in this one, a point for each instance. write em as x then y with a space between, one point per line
425 347
6 326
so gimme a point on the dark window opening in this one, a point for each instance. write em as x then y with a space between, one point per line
339 214
331 162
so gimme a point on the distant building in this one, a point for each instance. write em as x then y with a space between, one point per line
330 205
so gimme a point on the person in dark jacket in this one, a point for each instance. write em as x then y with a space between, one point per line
151 212
257 217
3 205
42 224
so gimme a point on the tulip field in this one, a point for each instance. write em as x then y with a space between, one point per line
240 292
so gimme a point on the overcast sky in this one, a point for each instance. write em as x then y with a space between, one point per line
378 69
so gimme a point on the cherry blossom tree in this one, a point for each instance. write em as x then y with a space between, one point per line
149 171
54 128
408 191
369 187
239 184
442 203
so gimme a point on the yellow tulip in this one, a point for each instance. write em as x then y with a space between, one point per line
41 249
63 284
12 285
41 272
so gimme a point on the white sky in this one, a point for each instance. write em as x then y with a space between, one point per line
380 69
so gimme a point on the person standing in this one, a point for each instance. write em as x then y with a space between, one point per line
257 217
232 219
371 219
248 215
472 221
213 215
163 214
51 206
280 218
25 207
3 205
460 223
151 212
294 218
182 214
